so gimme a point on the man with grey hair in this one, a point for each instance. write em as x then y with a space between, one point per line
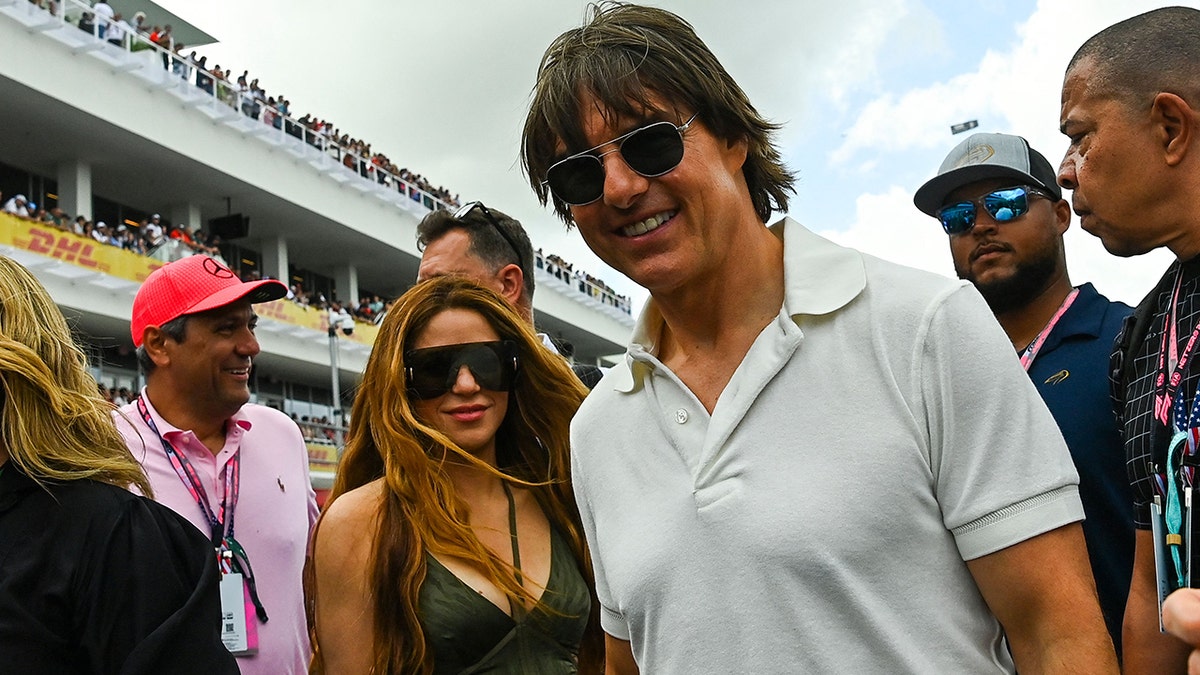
483 244
1131 109
810 460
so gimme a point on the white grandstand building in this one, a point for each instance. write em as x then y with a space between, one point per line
105 131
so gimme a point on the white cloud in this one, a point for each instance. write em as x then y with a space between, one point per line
442 88
888 226
1013 88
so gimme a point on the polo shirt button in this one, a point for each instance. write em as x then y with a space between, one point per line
681 416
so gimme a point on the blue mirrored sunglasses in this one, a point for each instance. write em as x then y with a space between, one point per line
1002 205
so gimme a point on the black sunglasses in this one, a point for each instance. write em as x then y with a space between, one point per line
652 150
487 213
432 371
1002 205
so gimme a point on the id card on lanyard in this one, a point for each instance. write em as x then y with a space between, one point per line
240 606
1171 509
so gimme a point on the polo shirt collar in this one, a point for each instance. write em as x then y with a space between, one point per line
819 277
1084 317
170 431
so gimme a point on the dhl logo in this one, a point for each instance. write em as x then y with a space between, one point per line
273 310
65 248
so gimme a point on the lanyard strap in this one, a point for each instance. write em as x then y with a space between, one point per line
231 555
1166 386
221 522
1034 347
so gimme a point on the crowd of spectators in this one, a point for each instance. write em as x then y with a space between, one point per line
316 429
141 238
246 95
151 233
115 396
586 283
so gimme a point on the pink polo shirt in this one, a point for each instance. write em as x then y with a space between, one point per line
275 511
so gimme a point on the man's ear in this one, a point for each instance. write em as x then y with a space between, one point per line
1175 124
1062 215
512 283
154 341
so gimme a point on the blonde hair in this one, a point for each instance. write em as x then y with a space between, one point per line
421 511
54 425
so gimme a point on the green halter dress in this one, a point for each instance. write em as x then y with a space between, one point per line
467 633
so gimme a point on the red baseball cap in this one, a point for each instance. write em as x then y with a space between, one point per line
190 286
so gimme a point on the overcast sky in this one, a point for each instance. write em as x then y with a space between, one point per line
867 90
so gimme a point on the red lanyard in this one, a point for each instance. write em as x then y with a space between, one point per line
1034 347
221 522
1169 358
231 556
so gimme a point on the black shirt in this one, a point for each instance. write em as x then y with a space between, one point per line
94 579
1146 438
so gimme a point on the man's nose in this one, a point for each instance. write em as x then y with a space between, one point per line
622 185
1066 173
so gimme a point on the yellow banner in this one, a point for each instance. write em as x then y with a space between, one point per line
321 455
71 248
90 254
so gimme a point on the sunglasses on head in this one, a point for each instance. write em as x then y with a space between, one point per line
487 214
1002 205
652 150
432 371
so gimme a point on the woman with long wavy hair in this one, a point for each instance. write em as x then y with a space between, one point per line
93 579
452 542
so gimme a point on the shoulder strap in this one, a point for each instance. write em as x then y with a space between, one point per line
1134 329
512 528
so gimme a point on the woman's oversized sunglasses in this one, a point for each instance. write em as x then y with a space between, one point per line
1002 205
652 150
432 371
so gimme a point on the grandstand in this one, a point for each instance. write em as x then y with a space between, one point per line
113 133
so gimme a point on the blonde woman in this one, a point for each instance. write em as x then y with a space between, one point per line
93 579
452 543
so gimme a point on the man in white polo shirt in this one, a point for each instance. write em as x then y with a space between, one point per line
811 460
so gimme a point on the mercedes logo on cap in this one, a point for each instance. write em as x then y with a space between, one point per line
217 269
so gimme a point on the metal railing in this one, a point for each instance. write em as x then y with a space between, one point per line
604 296
227 100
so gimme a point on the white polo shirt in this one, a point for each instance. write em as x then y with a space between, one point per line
877 434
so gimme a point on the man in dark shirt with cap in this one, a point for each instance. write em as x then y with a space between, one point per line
997 199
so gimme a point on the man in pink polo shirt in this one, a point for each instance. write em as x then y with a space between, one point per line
237 471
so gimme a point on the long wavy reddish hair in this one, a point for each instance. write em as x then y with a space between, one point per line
421 511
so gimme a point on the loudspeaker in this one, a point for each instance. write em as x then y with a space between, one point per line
232 226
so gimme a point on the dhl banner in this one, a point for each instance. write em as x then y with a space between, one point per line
71 248
90 254
296 314
321 455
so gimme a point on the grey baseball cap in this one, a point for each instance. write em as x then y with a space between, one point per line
984 156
